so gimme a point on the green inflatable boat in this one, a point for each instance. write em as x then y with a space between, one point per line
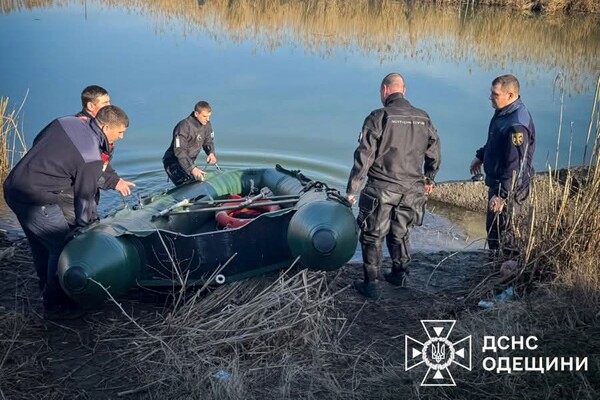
234 225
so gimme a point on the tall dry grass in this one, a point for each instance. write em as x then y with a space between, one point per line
561 234
12 142
256 339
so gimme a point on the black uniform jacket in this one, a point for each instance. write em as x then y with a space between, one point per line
109 178
66 156
398 145
189 136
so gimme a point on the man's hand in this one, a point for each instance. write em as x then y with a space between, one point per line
124 186
351 198
496 204
211 159
428 188
198 174
475 167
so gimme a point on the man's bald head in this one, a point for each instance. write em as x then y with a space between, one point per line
392 83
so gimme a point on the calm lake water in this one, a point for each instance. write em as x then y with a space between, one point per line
291 82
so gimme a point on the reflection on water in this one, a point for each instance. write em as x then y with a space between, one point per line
278 106
489 38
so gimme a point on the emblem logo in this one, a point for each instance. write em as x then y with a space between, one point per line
517 138
438 353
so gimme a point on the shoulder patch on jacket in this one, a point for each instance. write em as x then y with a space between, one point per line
517 138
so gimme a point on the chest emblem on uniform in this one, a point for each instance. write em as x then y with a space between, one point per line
198 138
517 138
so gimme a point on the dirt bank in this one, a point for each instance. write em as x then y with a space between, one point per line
91 357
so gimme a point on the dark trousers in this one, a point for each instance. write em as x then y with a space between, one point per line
387 215
499 226
177 175
46 229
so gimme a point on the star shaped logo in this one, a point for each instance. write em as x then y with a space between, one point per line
438 353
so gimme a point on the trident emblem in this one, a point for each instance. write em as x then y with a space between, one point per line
437 353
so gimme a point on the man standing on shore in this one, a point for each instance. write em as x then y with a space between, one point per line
399 151
507 158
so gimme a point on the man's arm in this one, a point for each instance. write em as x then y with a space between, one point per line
475 167
209 142
84 192
109 178
364 155
515 151
433 155
182 137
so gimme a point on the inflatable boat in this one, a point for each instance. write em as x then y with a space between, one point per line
233 225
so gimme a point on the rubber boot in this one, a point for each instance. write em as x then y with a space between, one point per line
398 277
371 262
400 257
369 287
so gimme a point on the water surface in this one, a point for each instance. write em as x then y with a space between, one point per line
291 82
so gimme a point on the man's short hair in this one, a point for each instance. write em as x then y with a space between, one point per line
91 94
112 116
202 105
391 79
507 82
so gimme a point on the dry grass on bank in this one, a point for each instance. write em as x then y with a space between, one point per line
12 142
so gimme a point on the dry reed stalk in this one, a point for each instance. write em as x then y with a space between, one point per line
12 141
282 332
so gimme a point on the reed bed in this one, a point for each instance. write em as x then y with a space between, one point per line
12 142
250 339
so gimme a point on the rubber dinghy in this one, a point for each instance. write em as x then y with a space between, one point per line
244 222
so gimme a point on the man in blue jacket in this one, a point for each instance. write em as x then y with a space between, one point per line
66 157
507 158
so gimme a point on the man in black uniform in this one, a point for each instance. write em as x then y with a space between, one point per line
65 157
189 136
93 98
399 152
507 158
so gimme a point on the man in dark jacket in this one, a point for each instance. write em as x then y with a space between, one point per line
190 136
66 157
507 157
93 98
399 153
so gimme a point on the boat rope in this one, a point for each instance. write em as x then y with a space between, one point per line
309 184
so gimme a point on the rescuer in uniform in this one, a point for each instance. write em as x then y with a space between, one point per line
399 154
65 157
190 136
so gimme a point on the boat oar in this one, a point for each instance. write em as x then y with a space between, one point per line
235 207
164 212
184 202
220 201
